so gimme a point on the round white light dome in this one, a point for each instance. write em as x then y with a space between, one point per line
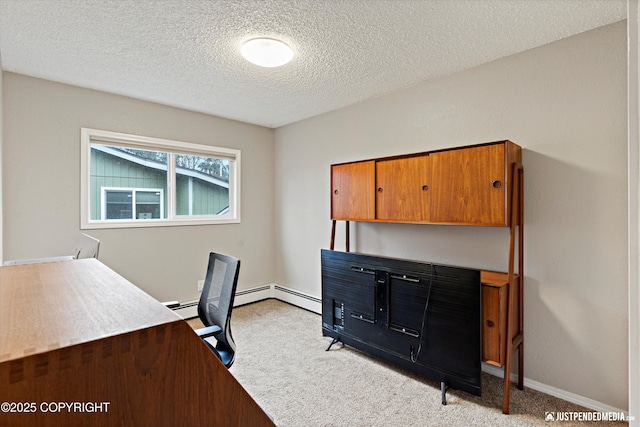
266 52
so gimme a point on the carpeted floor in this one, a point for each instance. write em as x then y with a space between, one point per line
281 361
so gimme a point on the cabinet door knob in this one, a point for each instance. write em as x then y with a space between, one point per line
379 189
497 184
335 191
490 323
425 187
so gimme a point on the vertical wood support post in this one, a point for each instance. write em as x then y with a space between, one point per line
332 243
521 273
346 226
333 234
517 343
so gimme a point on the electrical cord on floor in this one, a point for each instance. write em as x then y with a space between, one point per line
416 354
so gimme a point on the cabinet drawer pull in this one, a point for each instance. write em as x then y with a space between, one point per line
497 184
425 187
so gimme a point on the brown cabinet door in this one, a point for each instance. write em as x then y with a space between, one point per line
495 293
402 189
494 324
353 191
468 186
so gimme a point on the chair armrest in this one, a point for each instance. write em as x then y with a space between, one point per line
171 304
209 331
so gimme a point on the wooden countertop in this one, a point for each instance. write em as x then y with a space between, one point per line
48 306
495 279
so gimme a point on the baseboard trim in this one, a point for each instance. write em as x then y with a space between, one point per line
588 403
297 298
247 296
314 304
282 293
189 309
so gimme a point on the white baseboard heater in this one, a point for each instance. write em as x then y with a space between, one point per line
189 309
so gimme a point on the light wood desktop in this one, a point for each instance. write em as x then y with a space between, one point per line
80 345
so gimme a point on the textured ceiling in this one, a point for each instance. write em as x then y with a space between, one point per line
185 53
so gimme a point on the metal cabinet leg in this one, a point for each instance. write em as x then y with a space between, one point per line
443 390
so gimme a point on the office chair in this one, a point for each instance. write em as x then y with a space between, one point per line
216 303
87 247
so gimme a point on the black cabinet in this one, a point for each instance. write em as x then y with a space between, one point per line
420 316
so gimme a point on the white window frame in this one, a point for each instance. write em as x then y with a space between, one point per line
95 136
134 203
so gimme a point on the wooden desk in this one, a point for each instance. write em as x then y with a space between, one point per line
80 345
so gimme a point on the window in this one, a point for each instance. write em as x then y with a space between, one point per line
130 203
136 181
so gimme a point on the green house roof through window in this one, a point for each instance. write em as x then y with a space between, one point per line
132 183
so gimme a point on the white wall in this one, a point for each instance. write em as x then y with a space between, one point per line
41 162
565 104
633 25
1 144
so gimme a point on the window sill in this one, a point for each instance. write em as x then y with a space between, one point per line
157 223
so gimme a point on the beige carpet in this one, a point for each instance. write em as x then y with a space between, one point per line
281 361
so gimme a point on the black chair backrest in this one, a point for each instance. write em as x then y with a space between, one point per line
216 301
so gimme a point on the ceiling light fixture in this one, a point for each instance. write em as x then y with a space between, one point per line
266 52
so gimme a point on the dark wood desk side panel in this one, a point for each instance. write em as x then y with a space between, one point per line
161 376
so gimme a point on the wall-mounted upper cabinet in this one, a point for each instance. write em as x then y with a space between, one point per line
464 186
402 189
469 185
352 195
